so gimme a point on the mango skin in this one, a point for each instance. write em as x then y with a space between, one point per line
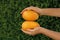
29 25
30 15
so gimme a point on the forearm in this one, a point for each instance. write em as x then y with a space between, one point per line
51 11
51 34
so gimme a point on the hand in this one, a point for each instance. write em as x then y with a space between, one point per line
36 9
41 30
32 31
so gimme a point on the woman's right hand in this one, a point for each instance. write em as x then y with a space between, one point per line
36 9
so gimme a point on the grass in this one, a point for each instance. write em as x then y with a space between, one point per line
11 20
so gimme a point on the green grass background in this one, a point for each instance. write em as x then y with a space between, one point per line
11 20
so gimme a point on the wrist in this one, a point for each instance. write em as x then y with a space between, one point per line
40 11
41 30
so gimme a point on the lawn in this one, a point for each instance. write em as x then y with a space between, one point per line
11 20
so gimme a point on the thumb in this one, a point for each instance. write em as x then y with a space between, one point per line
30 30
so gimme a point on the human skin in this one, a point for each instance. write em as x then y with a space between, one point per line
40 30
45 11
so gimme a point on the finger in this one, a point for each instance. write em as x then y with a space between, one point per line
27 32
31 30
23 11
37 28
28 8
